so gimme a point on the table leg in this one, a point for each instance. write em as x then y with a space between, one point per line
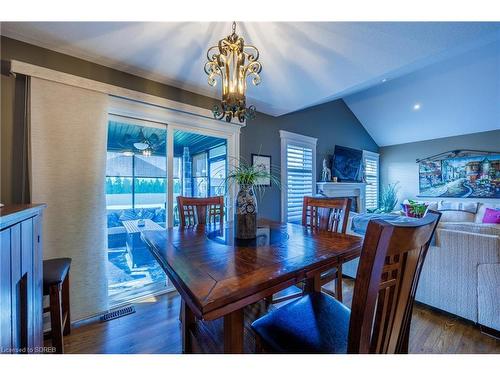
233 332
338 283
188 320
313 284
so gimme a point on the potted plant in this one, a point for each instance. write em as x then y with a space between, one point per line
415 209
245 176
388 199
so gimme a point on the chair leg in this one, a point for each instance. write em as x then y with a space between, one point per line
65 306
56 318
258 345
338 284
268 301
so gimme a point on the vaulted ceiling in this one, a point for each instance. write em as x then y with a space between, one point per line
460 95
304 64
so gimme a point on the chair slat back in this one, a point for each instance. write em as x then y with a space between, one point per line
329 214
194 211
389 269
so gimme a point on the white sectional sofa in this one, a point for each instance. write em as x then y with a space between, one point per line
461 274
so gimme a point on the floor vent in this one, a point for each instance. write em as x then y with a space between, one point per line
117 313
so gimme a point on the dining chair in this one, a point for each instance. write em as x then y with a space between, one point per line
329 214
379 320
194 211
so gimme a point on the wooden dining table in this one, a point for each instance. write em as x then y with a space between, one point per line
218 275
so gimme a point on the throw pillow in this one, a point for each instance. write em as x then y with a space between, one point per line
491 216
128 215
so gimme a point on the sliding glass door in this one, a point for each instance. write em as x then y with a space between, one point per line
136 196
149 164
200 164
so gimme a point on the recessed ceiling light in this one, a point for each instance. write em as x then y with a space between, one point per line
416 106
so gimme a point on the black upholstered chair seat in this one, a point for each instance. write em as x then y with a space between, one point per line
54 272
315 323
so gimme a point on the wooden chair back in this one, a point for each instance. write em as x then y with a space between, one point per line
329 214
386 282
194 211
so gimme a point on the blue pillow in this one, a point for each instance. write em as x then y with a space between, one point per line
128 215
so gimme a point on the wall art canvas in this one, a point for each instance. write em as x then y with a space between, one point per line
346 165
461 177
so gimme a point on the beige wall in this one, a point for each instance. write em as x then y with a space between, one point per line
7 109
15 50
398 163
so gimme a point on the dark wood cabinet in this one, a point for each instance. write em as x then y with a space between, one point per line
21 279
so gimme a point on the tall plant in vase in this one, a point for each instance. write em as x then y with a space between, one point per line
245 177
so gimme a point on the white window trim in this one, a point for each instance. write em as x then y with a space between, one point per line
289 138
375 156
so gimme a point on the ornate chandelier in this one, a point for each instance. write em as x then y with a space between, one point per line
233 61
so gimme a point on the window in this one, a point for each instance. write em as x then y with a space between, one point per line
371 165
199 170
200 175
298 173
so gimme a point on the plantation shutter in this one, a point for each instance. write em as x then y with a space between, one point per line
299 164
371 163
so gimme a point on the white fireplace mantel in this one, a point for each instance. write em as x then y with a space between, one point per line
343 190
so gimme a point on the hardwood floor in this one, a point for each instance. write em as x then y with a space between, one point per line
155 328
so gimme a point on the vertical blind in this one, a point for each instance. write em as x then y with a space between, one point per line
371 175
299 164
68 144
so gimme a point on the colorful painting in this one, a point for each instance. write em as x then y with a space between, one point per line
461 177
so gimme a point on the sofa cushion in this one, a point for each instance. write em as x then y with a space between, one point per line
457 216
458 206
456 211
490 229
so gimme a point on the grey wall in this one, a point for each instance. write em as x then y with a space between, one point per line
10 142
332 123
398 162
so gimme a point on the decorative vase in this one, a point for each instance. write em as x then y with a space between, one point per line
245 217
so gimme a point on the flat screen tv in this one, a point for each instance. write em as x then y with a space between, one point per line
346 164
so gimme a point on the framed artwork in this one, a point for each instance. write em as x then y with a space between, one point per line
262 162
469 176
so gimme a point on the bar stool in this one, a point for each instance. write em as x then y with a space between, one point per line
56 286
